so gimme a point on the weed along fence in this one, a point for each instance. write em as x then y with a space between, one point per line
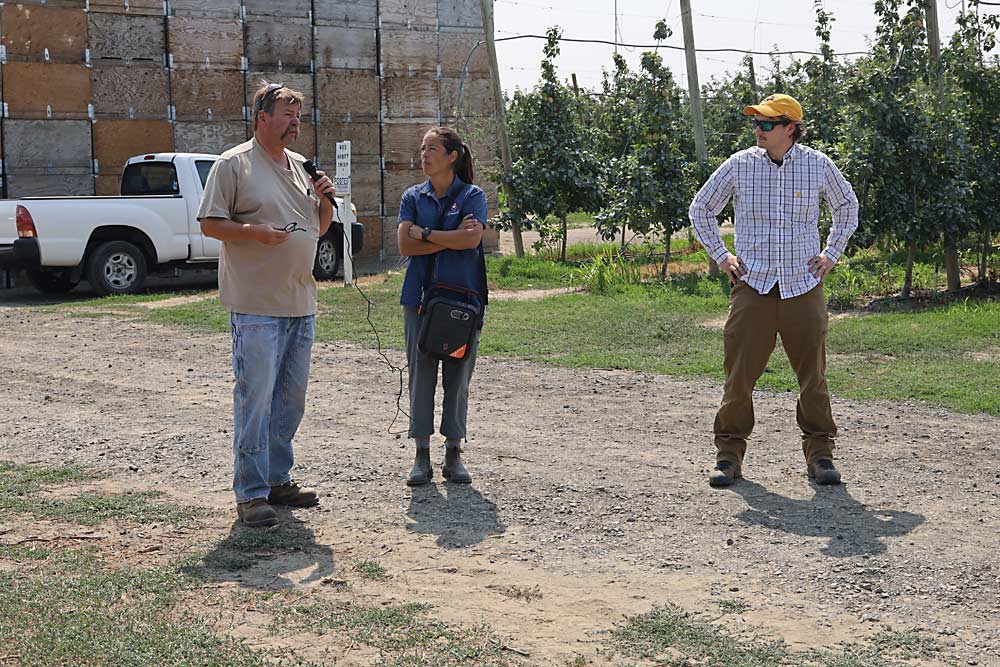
88 83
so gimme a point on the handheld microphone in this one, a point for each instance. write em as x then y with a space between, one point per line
311 170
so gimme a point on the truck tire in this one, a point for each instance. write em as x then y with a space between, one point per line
116 267
327 262
52 281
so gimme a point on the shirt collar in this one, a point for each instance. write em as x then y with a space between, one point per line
455 186
792 153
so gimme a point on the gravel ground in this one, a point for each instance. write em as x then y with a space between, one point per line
590 484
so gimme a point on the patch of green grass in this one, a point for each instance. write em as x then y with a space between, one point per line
244 547
22 552
57 616
19 487
370 569
733 606
669 636
528 272
404 634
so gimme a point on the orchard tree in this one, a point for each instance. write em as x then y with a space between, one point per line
555 169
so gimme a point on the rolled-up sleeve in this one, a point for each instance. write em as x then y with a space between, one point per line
476 206
844 205
407 208
219 198
706 207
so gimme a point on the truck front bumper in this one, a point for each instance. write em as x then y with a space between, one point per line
23 252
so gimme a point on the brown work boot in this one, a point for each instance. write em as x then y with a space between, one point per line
725 474
453 470
292 495
256 513
823 471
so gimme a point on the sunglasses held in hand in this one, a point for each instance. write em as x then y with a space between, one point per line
291 227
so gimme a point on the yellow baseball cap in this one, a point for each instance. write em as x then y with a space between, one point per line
776 105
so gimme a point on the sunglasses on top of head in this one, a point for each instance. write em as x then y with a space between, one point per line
768 125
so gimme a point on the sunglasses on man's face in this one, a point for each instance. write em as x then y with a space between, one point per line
768 125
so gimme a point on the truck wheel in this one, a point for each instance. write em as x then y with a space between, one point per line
52 281
327 260
116 267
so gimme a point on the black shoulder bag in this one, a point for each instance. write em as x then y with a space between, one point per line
451 314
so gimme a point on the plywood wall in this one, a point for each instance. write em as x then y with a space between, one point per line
86 84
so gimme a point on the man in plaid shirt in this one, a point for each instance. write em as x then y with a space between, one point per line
777 275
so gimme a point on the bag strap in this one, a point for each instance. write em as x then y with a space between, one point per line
459 199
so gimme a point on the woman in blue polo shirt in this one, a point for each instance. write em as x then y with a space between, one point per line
440 229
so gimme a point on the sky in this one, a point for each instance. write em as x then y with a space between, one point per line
756 25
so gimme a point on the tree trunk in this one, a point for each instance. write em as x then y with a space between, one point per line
951 266
984 257
564 235
713 268
623 236
666 258
911 255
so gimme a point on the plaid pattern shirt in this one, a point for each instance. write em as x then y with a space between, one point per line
777 215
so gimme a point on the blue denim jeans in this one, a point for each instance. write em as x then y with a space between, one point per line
271 365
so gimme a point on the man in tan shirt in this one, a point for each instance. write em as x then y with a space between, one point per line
260 202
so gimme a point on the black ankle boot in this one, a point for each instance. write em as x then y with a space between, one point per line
422 471
453 469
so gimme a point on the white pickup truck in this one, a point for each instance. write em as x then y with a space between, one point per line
115 242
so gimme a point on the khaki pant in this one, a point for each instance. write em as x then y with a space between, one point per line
750 335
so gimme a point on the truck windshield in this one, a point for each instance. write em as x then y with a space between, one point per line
150 178
203 167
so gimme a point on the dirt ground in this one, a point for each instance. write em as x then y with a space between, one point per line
588 484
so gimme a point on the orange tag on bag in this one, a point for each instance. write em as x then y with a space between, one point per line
459 353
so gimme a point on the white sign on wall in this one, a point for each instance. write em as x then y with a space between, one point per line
342 178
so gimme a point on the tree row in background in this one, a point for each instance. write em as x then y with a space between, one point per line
917 135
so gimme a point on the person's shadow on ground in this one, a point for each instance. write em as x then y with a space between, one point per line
262 557
853 528
462 518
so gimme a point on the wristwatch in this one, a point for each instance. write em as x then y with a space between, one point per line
424 234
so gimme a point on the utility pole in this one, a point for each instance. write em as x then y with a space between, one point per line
694 92
501 115
934 43
616 26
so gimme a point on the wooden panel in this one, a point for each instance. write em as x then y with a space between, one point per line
356 13
347 95
108 185
460 13
455 48
401 144
205 8
115 141
207 94
366 185
306 143
419 14
395 184
405 51
302 83
373 236
412 98
364 138
129 91
208 137
281 44
133 7
46 90
126 37
278 8
57 4
49 185
477 97
346 48
41 34
205 41
46 145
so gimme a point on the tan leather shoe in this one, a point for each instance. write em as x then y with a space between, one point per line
292 495
256 513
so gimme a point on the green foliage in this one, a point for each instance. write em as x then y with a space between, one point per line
607 272
554 171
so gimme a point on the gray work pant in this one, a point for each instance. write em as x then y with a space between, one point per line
423 377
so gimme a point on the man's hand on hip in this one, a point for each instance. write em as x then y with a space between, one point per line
820 266
733 267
